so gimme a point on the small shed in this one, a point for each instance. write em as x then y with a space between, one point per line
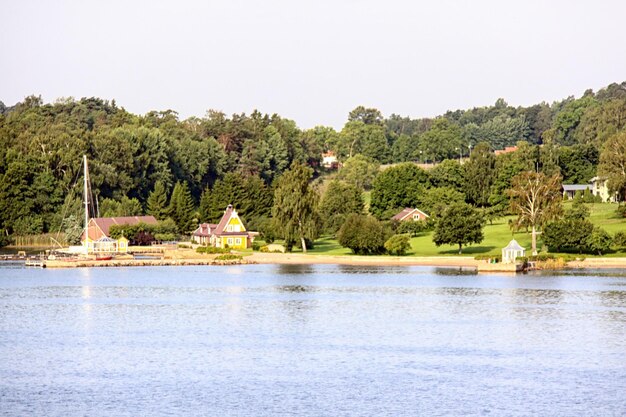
512 251
105 244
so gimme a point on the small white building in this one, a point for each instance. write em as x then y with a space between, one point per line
512 251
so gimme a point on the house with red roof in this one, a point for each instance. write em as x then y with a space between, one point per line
410 214
228 233
98 239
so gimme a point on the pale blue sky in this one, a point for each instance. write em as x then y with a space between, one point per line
311 61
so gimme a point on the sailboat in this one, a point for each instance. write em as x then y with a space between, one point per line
100 256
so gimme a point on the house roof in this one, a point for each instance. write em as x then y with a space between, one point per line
224 220
407 212
513 245
576 187
205 229
103 224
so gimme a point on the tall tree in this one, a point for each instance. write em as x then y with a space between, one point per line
339 200
157 201
613 164
460 224
480 172
536 199
359 171
181 207
295 205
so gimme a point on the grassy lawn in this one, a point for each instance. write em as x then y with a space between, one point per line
497 236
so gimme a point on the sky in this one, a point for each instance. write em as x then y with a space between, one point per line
310 61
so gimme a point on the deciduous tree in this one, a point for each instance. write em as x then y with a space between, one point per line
536 199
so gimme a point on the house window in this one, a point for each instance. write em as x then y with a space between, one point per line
238 241
230 240
416 217
229 228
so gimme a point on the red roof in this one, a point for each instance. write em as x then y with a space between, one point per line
406 212
224 220
99 226
205 229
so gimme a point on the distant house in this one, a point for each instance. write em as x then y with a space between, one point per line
569 190
329 160
410 214
507 149
229 232
98 237
599 188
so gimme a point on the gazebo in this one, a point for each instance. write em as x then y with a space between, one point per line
512 251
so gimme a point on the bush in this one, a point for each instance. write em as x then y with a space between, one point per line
398 244
599 241
567 235
211 249
621 210
364 235
619 240
228 257
412 228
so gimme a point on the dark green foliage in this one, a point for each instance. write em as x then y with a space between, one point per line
339 200
249 195
157 202
441 141
567 235
364 235
5 239
413 228
211 249
398 245
144 234
460 224
125 207
295 206
619 240
599 241
181 208
449 173
480 174
359 171
578 163
228 257
398 187
435 200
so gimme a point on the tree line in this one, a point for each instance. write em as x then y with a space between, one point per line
189 170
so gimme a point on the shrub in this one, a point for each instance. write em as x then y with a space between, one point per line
412 228
228 257
567 235
398 244
599 241
619 240
211 249
364 235
621 210
255 246
264 249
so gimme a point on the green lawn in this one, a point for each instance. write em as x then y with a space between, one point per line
497 236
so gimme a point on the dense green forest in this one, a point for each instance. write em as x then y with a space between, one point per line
191 169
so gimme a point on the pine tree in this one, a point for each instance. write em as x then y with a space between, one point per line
181 207
157 202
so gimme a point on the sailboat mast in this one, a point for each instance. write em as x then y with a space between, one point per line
86 194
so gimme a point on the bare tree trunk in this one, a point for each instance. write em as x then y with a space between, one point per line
534 240
460 249
303 244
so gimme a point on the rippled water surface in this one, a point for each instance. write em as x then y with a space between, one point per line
310 341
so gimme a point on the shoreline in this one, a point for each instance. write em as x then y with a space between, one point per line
349 260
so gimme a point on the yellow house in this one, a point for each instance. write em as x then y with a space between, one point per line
228 233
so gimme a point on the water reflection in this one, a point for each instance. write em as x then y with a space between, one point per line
455 271
295 269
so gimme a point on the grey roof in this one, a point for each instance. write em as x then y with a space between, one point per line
513 245
576 187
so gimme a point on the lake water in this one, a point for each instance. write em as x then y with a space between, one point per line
324 340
